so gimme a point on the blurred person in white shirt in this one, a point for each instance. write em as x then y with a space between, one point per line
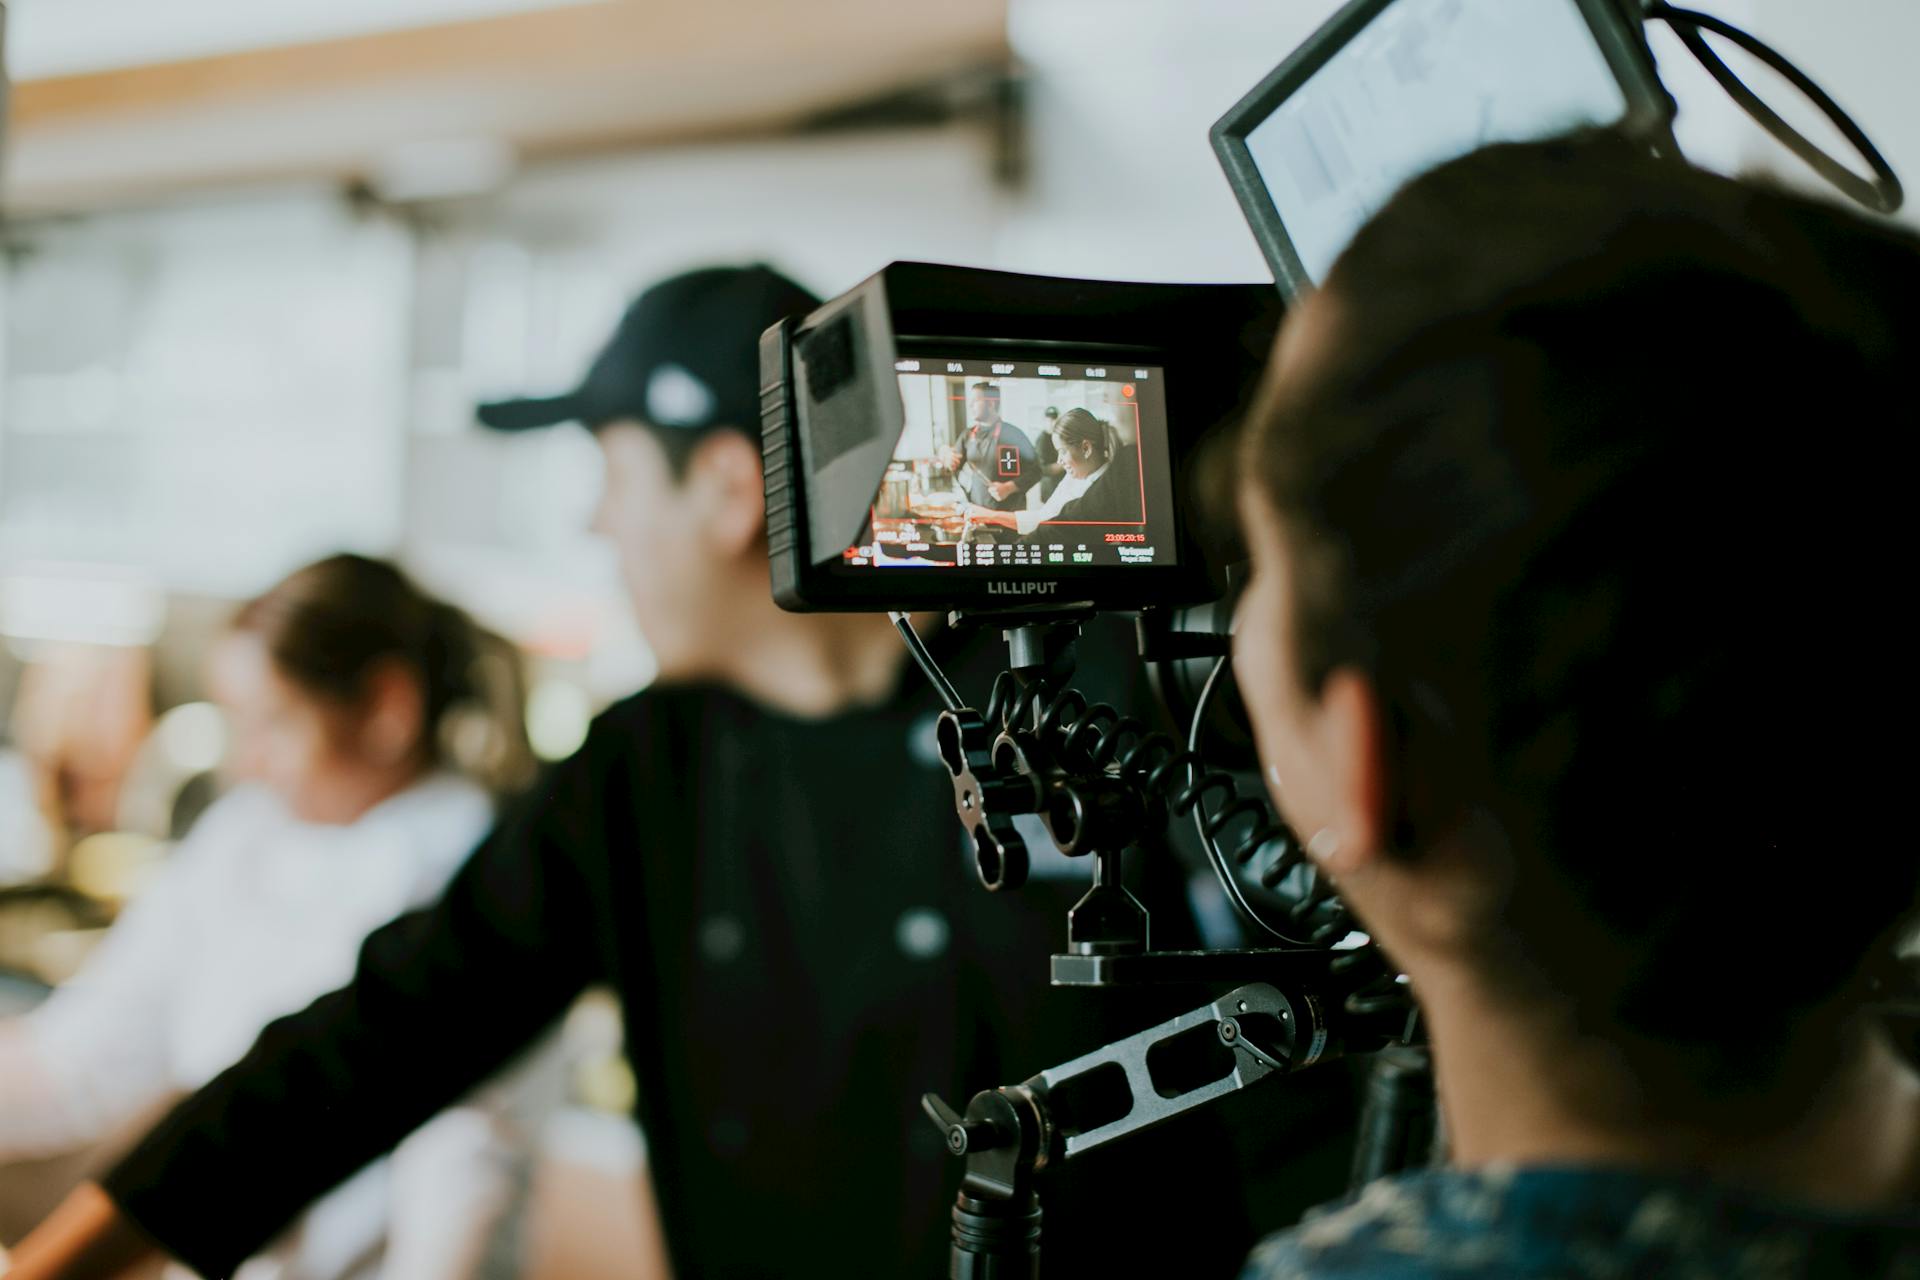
340 685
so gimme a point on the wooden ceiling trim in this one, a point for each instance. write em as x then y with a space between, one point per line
729 37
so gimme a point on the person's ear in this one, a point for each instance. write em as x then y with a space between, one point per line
1351 741
393 714
725 473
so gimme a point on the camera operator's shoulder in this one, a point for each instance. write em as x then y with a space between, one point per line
1415 1227
633 713
1579 1223
656 718
635 757
645 732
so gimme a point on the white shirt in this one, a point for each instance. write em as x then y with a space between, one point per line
1069 488
253 916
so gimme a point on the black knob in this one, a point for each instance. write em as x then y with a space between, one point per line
963 1135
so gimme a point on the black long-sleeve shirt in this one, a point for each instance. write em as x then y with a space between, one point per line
996 454
800 950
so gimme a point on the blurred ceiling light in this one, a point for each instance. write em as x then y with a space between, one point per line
81 604
73 37
441 169
558 712
194 736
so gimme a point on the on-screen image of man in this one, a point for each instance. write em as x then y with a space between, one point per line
996 461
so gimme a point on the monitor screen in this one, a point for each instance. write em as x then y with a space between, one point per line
1388 91
1025 466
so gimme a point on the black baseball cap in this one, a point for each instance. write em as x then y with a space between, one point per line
686 356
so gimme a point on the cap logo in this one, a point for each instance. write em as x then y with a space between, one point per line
675 398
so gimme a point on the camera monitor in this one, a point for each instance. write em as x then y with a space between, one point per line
944 438
1388 89
1036 462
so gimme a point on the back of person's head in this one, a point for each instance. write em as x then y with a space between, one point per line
334 626
1591 469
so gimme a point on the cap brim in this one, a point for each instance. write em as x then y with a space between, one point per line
530 415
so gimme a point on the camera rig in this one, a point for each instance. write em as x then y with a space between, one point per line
1098 779
883 494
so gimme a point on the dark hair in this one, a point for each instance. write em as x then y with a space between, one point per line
330 625
1077 425
1587 474
987 389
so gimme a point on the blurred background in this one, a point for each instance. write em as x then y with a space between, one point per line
260 259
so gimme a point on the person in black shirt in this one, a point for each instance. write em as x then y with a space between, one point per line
759 854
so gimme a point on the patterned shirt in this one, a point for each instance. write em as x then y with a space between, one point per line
1582 1224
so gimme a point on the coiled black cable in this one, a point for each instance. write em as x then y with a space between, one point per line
1096 735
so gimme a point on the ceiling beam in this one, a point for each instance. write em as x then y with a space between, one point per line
594 74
